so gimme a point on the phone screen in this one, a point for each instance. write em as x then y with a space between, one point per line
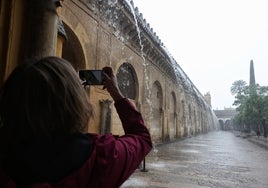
91 77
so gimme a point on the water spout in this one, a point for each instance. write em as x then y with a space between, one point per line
144 63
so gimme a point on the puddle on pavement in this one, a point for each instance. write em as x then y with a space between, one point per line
135 182
158 165
193 144
190 151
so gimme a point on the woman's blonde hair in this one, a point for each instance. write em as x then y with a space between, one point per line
43 99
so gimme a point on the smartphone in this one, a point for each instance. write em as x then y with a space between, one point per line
91 77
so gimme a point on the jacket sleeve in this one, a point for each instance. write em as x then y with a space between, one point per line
118 158
5 181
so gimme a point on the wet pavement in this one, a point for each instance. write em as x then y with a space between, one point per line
217 159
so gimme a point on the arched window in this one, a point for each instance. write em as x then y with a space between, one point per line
127 81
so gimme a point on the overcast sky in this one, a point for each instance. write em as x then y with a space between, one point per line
213 40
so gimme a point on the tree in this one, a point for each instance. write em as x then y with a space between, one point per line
240 90
238 87
252 107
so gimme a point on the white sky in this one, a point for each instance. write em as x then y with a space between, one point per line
213 40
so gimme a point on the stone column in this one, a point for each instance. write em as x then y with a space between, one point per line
177 131
41 26
105 116
162 123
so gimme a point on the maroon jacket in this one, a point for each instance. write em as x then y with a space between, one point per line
110 161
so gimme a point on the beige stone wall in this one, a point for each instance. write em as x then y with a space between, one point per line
166 117
11 12
101 35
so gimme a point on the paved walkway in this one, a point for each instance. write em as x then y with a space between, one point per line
217 159
258 140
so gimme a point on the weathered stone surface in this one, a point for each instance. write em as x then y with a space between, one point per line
108 35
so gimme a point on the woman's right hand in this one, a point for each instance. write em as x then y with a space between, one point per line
110 83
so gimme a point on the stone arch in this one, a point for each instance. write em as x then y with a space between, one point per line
194 121
227 124
172 121
190 111
190 121
72 49
157 110
201 121
127 81
183 118
221 122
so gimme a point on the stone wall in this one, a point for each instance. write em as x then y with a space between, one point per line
106 34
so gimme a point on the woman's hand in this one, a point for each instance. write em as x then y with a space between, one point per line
110 83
